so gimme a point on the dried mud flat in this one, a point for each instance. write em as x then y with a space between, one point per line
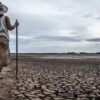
43 78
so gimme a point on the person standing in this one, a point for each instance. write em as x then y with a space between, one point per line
5 27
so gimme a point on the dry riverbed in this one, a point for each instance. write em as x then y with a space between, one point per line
44 78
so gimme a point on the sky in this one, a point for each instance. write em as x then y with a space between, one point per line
55 26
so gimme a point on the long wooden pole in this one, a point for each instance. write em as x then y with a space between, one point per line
16 52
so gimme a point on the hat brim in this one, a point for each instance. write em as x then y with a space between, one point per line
5 9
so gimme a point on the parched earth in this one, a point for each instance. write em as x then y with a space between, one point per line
6 83
52 79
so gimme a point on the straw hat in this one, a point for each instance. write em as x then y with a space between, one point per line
3 8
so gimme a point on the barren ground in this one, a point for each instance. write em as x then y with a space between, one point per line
52 77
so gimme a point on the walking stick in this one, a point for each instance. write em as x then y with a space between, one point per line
16 52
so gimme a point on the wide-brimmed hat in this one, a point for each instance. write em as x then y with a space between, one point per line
3 8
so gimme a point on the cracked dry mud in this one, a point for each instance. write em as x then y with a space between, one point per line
52 79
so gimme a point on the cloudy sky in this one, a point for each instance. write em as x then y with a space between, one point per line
55 25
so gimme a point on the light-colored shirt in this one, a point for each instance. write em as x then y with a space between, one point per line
3 28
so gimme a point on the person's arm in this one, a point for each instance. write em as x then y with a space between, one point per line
8 23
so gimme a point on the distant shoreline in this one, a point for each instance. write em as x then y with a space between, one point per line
98 53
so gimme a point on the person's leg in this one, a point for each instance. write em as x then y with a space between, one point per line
6 53
1 55
1 67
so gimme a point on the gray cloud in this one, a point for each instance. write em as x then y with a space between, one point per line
94 40
98 18
58 38
89 15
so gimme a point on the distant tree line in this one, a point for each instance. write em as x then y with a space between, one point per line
60 53
83 53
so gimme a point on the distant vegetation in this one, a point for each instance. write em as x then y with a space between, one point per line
61 53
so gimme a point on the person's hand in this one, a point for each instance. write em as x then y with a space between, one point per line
16 23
